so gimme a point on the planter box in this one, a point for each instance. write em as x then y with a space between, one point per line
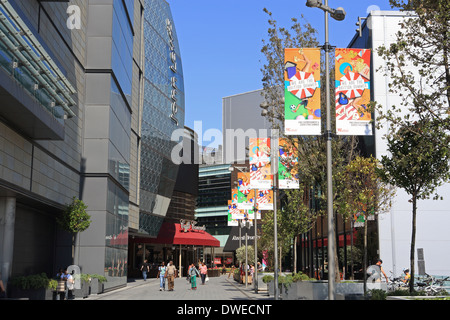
349 288
96 287
271 288
318 290
412 298
32 294
214 272
312 290
83 292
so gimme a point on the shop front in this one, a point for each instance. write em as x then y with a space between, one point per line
183 243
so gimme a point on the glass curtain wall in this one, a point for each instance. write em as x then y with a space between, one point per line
163 112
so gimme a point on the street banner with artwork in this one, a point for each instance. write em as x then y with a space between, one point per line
264 199
231 222
287 164
352 76
236 213
259 158
302 91
251 215
246 196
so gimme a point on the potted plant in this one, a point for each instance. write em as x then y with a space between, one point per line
33 287
82 292
97 285
268 280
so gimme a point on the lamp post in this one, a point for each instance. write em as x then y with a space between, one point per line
339 15
274 167
243 169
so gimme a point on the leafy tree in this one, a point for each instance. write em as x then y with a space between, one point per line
417 166
362 191
311 149
295 217
417 64
74 219
240 254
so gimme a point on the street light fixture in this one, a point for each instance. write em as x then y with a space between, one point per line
339 15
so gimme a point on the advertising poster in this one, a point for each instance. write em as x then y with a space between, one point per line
265 200
287 164
259 157
231 221
251 215
302 91
246 196
236 213
352 72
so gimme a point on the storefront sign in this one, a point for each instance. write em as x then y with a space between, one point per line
189 225
173 67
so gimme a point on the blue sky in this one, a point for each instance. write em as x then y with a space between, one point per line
220 43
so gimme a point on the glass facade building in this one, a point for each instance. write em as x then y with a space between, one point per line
87 110
163 112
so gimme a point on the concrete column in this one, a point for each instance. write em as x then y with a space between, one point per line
7 221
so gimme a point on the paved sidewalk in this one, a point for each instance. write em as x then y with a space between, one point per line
217 288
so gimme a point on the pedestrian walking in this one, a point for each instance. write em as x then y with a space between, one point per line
203 272
171 273
70 285
145 268
61 287
379 262
231 271
161 274
193 273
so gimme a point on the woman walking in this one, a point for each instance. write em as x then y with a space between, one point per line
204 272
193 272
161 274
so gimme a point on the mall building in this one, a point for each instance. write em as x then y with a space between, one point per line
91 92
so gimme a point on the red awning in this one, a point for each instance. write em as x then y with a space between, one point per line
172 233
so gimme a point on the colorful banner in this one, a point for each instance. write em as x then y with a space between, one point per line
232 222
287 164
246 196
352 76
265 200
259 157
251 215
236 213
302 92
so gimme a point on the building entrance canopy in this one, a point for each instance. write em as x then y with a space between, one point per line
174 233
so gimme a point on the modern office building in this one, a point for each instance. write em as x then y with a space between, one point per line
214 191
395 227
91 93
43 99
181 238
241 120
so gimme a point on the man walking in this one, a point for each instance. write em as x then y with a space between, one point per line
145 268
171 273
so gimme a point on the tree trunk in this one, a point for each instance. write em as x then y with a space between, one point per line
75 249
365 255
295 254
413 244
